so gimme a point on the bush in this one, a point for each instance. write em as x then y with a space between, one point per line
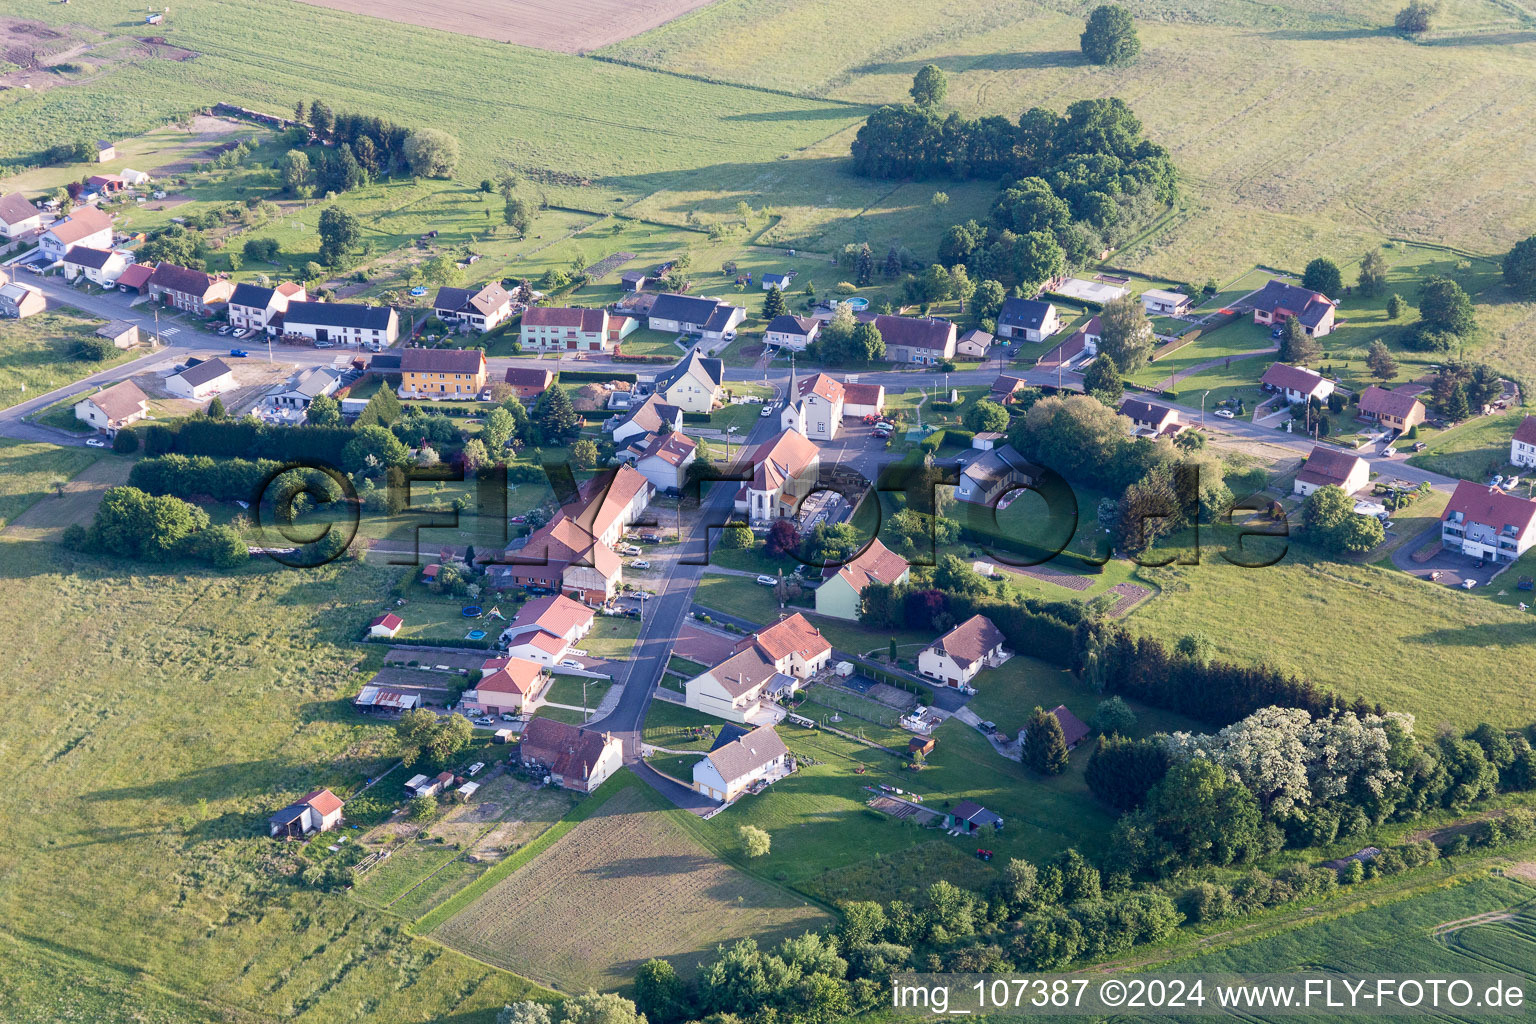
91 350
126 442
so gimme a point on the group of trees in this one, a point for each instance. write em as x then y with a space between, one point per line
156 528
1445 316
378 146
425 736
1328 519
1461 388
844 341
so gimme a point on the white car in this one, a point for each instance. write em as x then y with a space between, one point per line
572 663
767 411
475 768
485 720
1226 414
768 581
640 563
508 718
96 442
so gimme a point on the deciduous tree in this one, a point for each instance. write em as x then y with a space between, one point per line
1110 36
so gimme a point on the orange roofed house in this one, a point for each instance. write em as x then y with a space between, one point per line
507 686
1332 467
1487 523
841 595
316 811
784 471
574 757
1396 410
451 373
762 670
545 629
955 658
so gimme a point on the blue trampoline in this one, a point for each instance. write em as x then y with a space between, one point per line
473 611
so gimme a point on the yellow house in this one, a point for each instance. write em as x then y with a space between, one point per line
693 385
442 373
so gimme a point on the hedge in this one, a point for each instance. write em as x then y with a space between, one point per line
570 376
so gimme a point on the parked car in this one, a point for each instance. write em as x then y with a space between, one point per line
1419 446
485 720
238 353
1226 414
640 563
475 768
223 331
572 663
768 581
96 442
989 727
519 519
508 717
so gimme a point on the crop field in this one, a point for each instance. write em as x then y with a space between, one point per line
126 855
626 884
568 28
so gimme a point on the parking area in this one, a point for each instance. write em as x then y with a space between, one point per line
1453 569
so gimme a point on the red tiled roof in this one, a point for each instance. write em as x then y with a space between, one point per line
136 275
388 620
875 564
1375 401
1526 431
556 613
1491 507
827 387
1328 466
120 401
970 641
794 635
443 360
589 321
605 497
673 448
83 222
516 675
781 458
545 641
528 377
864 394
570 751
323 801
1072 728
1292 378
915 332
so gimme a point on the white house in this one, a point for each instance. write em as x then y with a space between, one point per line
18 216
1159 302
860 400
113 408
1297 383
710 319
316 811
784 470
973 344
994 473
1150 419
255 308
86 226
342 323
665 461
731 767
955 658
304 388
790 332
386 625
573 329
779 281
1027 320
546 628
479 309
572 756
1487 523
99 266
1522 446
1328 466
815 408
201 380
763 668
652 416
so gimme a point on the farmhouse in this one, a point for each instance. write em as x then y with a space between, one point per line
451 373
529 381
973 344
86 226
763 669
507 686
665 460
925 340
1150 419
955 658
1522 446
1027 320
120 333
1327 466
201 379
574 757
1159 302
816 409
20 300
316 811
189 290
686 314
842 594
693 385
480 309
386 625
1487 523
254 308
736 764
1277 301
993 474
784 471
1395 409
790 332
862 400
17 216
652 416
573 329
113 408
99 266
347 323
610 501
1296 383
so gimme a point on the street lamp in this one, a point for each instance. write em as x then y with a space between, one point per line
1202 410
729 431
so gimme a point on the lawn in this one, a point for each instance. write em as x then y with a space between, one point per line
1474 450
35 353
568 690
115 836
679 728
31 472
626 883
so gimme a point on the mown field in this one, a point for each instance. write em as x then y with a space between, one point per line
36 354
625 884
159 715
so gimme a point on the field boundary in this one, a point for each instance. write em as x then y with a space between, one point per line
461 900
707 80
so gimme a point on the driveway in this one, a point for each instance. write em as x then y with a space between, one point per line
1453 567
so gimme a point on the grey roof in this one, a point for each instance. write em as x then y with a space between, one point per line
339 314
684 308
315 381
452 298
14 208
711 369
202 373
1000 463
1306 305
788 323
251 295
747 754
1026 313
81 256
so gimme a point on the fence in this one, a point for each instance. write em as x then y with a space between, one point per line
853 704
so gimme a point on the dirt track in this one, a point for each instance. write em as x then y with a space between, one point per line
569 26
